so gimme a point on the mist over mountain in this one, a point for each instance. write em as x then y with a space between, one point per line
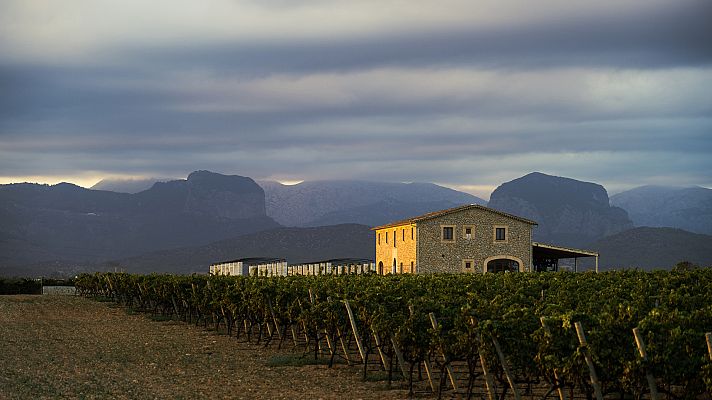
653 248
67 224
363 202
659 206
569 212
295 244
127 185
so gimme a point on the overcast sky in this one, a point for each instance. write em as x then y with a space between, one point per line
467 94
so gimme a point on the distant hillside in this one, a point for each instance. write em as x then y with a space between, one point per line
68 225
127 185
569 212
685 208
294 244
651 248
369 203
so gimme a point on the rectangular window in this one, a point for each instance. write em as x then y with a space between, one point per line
411 267
468 232
379 238
468 265
448 233
500 234
411 233
386 237
403 234
394 238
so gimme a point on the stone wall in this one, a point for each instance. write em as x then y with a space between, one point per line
435 255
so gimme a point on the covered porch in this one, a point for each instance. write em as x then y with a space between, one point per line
545 257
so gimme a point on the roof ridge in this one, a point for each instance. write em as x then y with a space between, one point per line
435 214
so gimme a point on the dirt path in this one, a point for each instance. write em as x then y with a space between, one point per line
71 347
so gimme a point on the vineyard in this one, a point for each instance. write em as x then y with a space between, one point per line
627 334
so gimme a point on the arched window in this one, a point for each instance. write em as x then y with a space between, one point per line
502 265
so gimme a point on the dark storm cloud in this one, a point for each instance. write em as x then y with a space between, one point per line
672 36
620 89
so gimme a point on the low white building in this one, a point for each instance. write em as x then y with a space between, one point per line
260 266
336 266
253 266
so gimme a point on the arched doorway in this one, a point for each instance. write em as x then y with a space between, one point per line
380 268
503 264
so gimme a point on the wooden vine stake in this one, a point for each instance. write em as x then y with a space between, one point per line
294 335
559 381
318 342
343 346
274 318
450 373
428 371
649 376
505 368
355 330
589 361
489 381
428 367
380 352
708 338
399 356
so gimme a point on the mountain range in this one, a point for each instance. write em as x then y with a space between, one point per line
370 203
181 225
127 185
685 208
294 244
569 212
648 248
67 224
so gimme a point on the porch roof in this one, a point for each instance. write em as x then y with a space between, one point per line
543 250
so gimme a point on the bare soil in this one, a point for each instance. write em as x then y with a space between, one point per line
70 347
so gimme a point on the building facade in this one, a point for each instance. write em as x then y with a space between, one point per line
469 239
254 266
263 266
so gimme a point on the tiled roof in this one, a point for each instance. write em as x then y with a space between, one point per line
440 213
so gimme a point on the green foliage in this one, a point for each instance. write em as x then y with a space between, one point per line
672 310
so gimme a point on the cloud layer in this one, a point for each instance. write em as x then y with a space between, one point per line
461 93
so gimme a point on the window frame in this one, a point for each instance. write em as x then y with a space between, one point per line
506 234
465 261
453 237
472 232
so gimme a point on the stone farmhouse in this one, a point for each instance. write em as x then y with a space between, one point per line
470 239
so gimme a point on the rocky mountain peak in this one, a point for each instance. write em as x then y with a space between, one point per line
569 212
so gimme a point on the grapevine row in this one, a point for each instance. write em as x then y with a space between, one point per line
517 328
